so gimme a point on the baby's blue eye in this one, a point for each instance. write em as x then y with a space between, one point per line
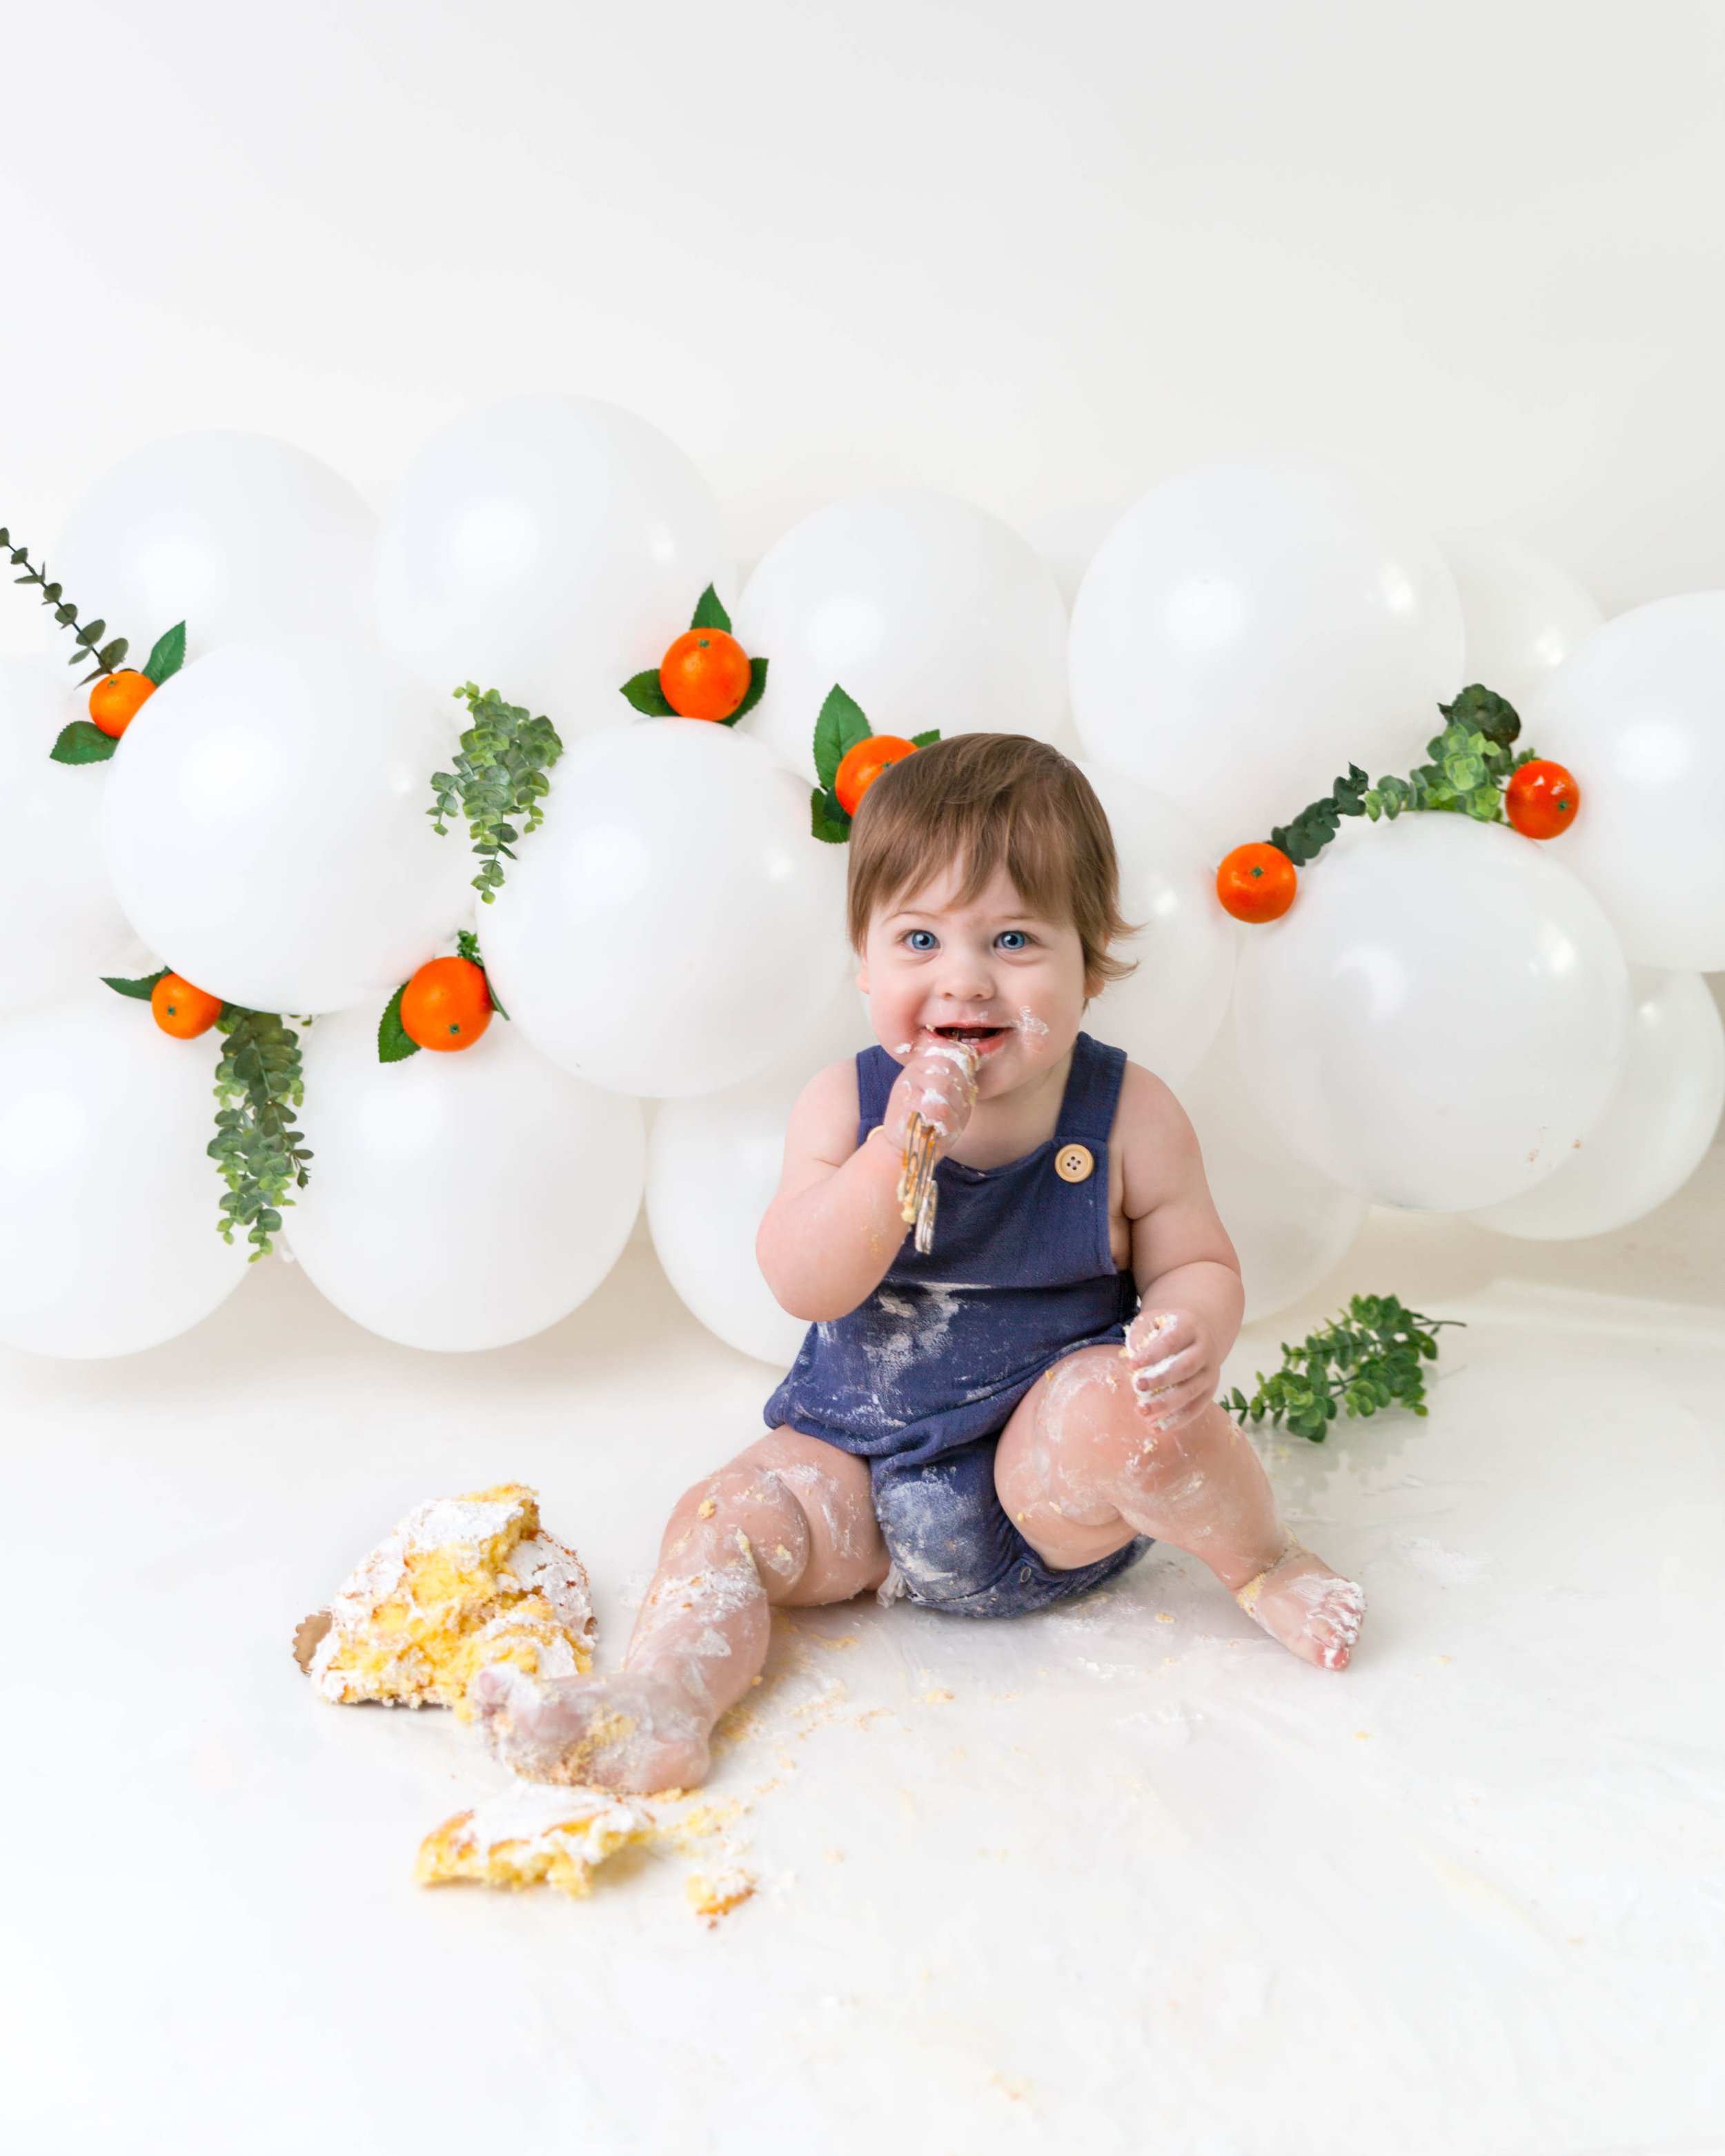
1012 939
923 939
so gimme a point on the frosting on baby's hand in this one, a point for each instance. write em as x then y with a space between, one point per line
938 1082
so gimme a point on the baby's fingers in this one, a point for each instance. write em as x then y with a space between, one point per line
1153 1380
1155 1337
1175 1410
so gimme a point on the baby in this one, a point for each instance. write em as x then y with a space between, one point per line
1005 1422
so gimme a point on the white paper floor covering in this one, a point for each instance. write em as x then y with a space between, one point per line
1122 1877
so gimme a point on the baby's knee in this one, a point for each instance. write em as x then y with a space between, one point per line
744 1509
1089 1421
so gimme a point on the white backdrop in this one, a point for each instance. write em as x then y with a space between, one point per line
1038 257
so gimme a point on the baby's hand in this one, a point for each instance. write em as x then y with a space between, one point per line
938 1082
1176 1370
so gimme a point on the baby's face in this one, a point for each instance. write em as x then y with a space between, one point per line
991 973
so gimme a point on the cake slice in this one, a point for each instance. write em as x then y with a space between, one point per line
533 1831
461 1583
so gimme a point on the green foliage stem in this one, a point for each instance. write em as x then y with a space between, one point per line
88 637
1468 764
262 1157
1371 1356
499 783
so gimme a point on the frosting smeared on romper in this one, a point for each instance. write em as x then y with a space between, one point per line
920 1379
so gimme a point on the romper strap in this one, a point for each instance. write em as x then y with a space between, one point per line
876 1074
1092 1091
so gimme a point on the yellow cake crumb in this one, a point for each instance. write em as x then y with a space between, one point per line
530 1833
715 1894
462 1582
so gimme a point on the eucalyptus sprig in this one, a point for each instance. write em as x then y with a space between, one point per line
498 782
260 1083
88 636
1467 766
1371 1356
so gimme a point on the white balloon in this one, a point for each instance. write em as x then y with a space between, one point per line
673 926
1443 1012
238 535
713 1164
1067 540
1523 615
1249 628
1289 1226
1638 715
1650 1139
110 1204
65 928
1166 1014
550 547
458 1200
266 829
927 610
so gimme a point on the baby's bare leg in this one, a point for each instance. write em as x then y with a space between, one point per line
1081 1470
790 1520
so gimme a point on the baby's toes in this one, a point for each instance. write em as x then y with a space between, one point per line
1336 1621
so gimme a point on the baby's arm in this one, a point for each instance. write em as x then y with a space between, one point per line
1187 1275
834 1226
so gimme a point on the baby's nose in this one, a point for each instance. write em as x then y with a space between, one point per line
966 978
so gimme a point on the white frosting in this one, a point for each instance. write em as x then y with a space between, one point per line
541 1564
585 1824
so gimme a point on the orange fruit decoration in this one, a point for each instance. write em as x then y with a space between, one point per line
447 1004
182 1010
1541 799
705 675
863 763
1257 883
117 700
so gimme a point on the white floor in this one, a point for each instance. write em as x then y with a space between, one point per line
1123 1877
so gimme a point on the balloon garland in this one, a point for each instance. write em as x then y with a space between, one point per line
1471 770
672 932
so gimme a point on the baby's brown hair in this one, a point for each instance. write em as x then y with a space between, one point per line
991 801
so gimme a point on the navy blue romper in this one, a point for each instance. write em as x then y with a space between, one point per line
920 1379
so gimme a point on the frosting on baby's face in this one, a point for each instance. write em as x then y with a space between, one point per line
988 971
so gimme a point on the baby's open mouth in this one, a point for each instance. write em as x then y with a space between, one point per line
974 1035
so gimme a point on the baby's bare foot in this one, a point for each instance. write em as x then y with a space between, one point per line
1314 1612
632 1732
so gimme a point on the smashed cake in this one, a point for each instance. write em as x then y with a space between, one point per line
530 1832
462 1582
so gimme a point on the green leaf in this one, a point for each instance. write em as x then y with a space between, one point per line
394 1044
826 818
83 742
167 656
928 740
710 612
643 692
839 726
752 695
499 783
260 1154
141 988
1366 1360
1483 711
110 654
467 947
